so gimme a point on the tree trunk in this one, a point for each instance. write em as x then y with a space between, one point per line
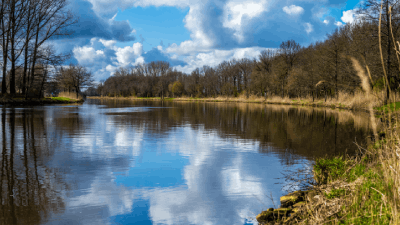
336 77
5 60
389 48
12 42
34 59
28 29
312 95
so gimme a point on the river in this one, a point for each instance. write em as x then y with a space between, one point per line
153 162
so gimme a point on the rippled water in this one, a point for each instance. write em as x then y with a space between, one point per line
124 162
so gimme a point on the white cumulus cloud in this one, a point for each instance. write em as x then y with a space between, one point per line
293 10
200 40
87 55
128 54
235 12
108 43
215 57
348 16
139 60
111 69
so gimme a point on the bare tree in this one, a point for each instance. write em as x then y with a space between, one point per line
74 77
288 53
50 21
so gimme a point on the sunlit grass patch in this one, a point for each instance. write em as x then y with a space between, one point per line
61 99
70 95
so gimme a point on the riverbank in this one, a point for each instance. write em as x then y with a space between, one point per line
362 189
19 101
344 101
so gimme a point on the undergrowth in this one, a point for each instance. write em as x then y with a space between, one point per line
352 191
363 189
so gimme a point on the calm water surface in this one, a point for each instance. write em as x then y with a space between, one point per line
123 162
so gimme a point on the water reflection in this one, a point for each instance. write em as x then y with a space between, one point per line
122 162
29 190
309 132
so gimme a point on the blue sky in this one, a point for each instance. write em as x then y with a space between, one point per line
192 33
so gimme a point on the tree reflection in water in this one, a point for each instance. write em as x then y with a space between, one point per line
29 190
288 131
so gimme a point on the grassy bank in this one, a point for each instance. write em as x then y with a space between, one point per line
355 101
19 100
362 189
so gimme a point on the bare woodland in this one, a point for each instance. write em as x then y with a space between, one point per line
321 70
31 67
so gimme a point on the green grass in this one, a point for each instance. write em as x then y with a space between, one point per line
392 107
329 169
367 204
335 193
62 99
356 172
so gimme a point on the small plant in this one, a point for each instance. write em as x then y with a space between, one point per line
327 170
335 193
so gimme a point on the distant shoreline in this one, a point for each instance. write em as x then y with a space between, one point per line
260 100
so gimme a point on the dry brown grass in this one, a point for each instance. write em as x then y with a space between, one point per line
345 100
240 98
389 158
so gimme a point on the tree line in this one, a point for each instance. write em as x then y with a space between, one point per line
322 69
30 65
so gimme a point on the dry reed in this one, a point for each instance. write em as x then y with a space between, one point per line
366 85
